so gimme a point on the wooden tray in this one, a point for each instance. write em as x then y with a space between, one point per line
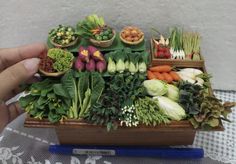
78 132
176 62
75 132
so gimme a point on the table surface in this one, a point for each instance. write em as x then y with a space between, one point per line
30 145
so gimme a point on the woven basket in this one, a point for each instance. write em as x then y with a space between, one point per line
131 43
103 43
64 46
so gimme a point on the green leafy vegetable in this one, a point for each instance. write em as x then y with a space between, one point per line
62 59
69 82
212 111
155 87
47 99
190 97
148 112
172 109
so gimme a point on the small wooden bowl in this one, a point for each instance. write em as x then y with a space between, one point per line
131 43
63 46
104 43
52 74
55 74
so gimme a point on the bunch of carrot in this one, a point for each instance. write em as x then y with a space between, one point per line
163 72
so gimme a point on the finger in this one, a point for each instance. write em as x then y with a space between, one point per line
14 111
4 116
18 89
8 113
11 56
17 74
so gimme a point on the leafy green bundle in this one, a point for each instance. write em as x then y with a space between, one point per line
69 97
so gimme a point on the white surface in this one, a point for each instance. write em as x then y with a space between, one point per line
26 21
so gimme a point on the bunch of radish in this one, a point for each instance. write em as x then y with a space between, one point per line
162 48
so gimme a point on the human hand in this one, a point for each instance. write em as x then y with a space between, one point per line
17 65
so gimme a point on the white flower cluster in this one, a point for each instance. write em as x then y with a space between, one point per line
129 116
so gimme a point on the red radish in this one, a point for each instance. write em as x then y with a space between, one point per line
161 48
167 55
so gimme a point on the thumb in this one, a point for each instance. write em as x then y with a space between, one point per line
15 75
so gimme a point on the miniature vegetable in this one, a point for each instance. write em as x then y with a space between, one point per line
172 109
190 97
161 68
63 35
212 111
94 27
69 82
131 34
101 66
148 112
191 45
155 87
172 92
79 65
95 53
90 66
62 60
47 99
83 54
176 43
111 67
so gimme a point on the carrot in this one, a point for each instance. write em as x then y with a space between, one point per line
161 68
158 75
174 75
150 75
167 77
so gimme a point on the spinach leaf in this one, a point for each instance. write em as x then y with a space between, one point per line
97 86
69 82
83 85
60 91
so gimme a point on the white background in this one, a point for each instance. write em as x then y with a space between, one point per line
27 21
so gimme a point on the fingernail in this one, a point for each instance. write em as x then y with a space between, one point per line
31 64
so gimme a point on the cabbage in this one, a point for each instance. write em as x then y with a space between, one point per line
155 87
120 66
172 92
142 67
172 109
132 68
126 65
111 67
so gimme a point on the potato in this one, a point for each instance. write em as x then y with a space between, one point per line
134 33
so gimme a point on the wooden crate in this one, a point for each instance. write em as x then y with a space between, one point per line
78 132
174 62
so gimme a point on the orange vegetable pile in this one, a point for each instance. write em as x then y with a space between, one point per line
162 72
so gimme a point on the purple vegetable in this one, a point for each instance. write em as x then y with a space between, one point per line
83 54
101 66
90 66
96 55
79 65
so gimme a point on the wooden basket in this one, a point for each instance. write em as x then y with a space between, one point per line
131 43
104 43
64 46
176 62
